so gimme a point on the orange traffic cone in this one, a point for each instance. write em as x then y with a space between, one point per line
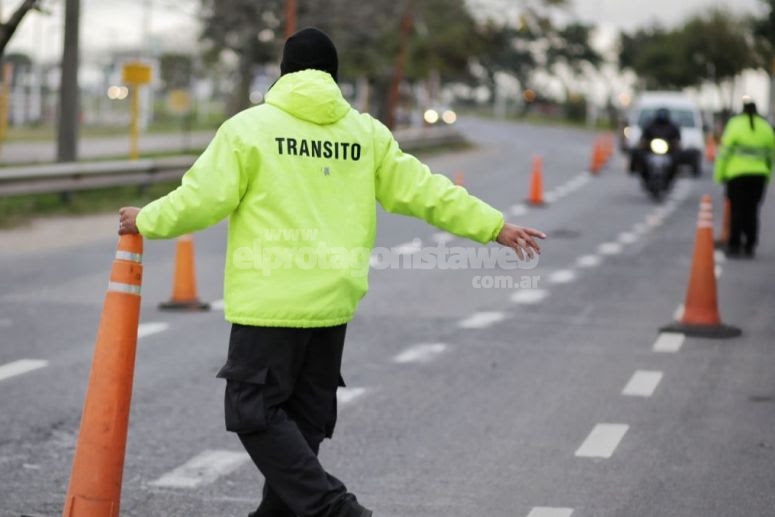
95 482
723 236
597 161
536 197
459 179
184 285
710 148
701 315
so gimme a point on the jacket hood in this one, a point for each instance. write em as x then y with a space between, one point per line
310 95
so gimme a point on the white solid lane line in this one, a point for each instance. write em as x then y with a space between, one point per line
421 353
203 469
588 261
642 384
20 367
669 342
150 328
529 296
347 395
562 276
480 320
217 305
602 441
546 511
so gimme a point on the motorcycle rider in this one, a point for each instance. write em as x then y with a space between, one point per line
661 126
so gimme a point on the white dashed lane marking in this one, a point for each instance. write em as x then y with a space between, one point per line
481 320
563 276
151 328
669 342
642 384
678 313
588 261
529 296
443 237
217 305
627 238
347 395
602 441
421 353
518 210
610 248
546 511
203 469
408 248
21 367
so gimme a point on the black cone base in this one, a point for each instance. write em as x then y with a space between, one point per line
191 306
720 331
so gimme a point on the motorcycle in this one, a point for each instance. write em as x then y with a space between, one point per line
657 167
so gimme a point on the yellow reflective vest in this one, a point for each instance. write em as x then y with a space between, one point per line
299 178
745 151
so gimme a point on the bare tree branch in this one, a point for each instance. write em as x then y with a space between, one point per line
8 28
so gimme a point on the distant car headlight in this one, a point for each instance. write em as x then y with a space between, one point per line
449 117
431 116
659 146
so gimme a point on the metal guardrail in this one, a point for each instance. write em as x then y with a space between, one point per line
71 177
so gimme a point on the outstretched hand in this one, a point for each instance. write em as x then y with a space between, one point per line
127 220
522 240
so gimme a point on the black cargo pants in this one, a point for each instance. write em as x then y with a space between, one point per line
281 401
745 194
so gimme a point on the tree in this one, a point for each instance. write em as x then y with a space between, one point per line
658 57
247 29
8 28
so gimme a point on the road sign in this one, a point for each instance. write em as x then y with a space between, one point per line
136 73
179 102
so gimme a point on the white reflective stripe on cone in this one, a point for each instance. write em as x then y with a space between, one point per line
129 256
118 287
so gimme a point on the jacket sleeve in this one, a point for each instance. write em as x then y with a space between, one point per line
209 191
406 186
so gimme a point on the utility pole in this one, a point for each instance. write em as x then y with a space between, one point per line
398 71
69 101
290 18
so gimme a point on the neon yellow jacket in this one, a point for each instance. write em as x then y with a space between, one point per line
745 151
299 178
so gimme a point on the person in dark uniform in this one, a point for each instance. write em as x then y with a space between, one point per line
744 165
299 178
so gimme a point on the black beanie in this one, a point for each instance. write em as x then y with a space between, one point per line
309 48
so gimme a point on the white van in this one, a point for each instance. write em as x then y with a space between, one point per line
683 111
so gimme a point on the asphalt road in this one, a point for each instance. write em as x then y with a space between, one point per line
548 402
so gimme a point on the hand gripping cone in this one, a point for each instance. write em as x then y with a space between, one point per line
536 197
95 482
184 296
701 316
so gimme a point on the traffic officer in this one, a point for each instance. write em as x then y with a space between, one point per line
299 178
744 165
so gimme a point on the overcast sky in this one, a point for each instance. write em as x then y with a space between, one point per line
118 23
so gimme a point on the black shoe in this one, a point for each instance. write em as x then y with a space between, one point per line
265 510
